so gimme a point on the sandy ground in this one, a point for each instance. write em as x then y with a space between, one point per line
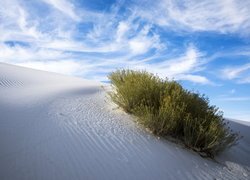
59 127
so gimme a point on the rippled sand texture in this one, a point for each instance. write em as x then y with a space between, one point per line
59 127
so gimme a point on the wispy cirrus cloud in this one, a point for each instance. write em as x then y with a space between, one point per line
183 67
65 7
239 73
63 66
104 41
235 72
226 16
245 80
235 99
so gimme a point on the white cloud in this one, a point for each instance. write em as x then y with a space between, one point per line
225 16
190 62
65 7
123 27
139 45
194 78
240 73
124 36
235 72
235 99
185 63
183 67
62 67
245 80
71 45
15 23
22 54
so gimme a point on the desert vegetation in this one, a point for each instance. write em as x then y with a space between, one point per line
169 110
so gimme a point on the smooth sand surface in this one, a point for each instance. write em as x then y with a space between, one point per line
59 127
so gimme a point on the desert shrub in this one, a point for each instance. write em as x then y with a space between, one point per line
136 88
167 109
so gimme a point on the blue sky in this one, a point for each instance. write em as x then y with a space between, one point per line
205 45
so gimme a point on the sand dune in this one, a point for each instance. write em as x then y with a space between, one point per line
59 127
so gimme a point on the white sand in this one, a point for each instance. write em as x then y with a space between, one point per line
58 127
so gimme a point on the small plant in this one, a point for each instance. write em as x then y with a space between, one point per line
167 109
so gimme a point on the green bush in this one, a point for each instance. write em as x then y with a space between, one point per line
167 109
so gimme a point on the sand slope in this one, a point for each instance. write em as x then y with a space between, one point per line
59 127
